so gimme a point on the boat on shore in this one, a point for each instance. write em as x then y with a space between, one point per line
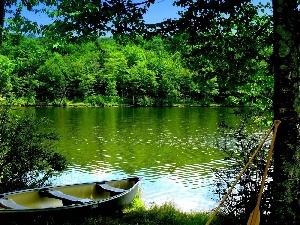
68 200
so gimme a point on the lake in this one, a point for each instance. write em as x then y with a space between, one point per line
171 148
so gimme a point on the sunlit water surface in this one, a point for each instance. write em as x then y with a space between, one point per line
171 148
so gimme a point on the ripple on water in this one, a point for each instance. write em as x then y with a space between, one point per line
191 182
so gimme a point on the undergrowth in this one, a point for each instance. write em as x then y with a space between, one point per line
137 213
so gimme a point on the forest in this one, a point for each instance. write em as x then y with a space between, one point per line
147 69
217 52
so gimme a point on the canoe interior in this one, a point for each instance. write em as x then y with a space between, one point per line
32 199
123 184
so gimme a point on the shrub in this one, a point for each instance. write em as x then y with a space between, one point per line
144 101
95 100
27 158
100 100
238 144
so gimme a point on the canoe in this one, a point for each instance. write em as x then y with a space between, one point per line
84 198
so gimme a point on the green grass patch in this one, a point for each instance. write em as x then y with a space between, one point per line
137 213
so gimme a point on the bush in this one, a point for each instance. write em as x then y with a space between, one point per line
100 100
238 144
95 100
27 158
144 101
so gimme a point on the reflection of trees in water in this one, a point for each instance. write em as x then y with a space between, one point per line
133 139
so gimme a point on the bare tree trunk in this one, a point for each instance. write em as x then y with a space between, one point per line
2 16
286 189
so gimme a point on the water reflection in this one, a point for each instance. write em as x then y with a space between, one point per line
171 148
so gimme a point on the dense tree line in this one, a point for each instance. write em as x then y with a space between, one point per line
188 61
141 72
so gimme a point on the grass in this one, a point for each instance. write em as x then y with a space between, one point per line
137 214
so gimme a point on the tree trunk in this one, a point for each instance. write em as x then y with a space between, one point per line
286 203
2 16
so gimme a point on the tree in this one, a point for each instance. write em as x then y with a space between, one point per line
200 16
27 156
2 16
26 55
231 48
286 177
53 76
75 19
19 20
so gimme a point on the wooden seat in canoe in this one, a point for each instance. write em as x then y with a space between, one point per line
66 199
107 187
7 203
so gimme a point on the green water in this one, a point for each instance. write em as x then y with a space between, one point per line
171 148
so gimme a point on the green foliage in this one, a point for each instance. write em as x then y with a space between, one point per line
27 157
145 101
238 144
155 72
53 77
99 68
221 57
27 54
6 69
230 51
84 19
99 100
